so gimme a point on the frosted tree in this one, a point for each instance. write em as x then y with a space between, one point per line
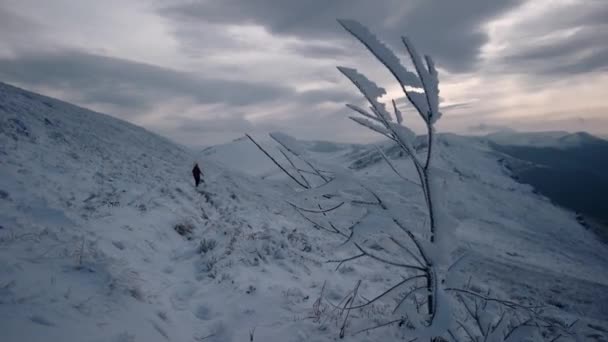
427 298
427 255
421 88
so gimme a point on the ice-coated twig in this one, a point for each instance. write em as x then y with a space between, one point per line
320 226
412 291
399 320
371 301
277 163
317 211
389 262
299 156
347 308
390 164
504 302
342 261
407 250
295 168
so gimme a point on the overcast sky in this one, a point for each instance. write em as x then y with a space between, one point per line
204 72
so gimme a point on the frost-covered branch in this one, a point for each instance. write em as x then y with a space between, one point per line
317 211
318 225
291 145
390 164
389 262
279 165
295 168
371 301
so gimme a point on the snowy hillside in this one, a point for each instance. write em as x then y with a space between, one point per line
89 250
516 240
104 238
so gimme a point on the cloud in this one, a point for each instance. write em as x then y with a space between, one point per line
204 72
554 39
132 85
449 30
318 50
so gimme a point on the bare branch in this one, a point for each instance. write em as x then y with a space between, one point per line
466 330
400 321
371 255
202 338
497 325
398 114
317 211
407 250
414 240
347 308
506 303
456 262
473 314
453 336
277 163
387 291
515 327
394 169
295 153
295 168
318 225
404 298
342 261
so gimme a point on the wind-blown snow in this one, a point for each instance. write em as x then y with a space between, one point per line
89 252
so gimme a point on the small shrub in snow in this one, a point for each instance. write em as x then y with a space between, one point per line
184 229
250 289
209 265
206 245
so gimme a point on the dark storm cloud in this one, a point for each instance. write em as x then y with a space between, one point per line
581 47
11 22
319 51
233 123
227 66
449 30
136 86
566 59
13 29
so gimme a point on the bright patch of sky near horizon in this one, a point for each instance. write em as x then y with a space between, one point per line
205 72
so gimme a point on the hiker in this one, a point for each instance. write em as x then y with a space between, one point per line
196 172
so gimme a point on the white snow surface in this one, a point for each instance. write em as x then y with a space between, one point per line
88 249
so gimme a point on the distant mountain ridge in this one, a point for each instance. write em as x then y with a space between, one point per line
557 139
569 168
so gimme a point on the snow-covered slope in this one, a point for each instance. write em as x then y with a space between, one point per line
91 207
89 250
517 241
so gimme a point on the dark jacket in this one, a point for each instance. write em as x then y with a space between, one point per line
196 173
